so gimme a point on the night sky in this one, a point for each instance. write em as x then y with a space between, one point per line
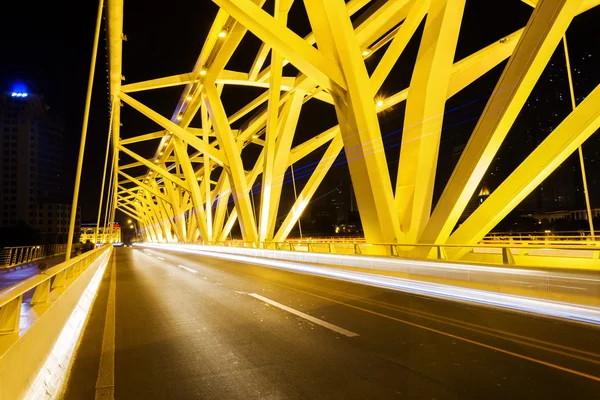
49 44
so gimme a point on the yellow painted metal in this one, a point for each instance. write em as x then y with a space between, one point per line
285 135
424 116
266 214
586 192
108 137
542 34
191 139
142 138
183 196
332 152
560 144
305 57
355 109
234 162
196 194
407 29
86 114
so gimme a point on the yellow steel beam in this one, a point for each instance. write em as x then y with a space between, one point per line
424 116
125 211
334 149
206 128
560 144
142 138
265 212
407 29
191 139
543 32
359 126
302 55
159 83
234 162
154 167
196 195
381 20
304 149
131 165
144 186
114 17
285 136
259 61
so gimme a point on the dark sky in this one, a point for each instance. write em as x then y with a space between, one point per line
49 43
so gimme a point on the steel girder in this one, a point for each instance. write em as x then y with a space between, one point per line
190 181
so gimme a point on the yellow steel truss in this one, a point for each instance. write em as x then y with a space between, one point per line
195 171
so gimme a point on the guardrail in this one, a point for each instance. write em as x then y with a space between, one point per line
13 256
541 237
54 278
584 249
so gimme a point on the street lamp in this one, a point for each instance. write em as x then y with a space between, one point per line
129 221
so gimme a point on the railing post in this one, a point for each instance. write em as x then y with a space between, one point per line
309 246
507 257
42 293
59 280
331 248
441 253
10 316
357 248
69 272
12 258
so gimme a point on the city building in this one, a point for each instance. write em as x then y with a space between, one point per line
31 166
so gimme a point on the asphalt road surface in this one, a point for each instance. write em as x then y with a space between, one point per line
195 327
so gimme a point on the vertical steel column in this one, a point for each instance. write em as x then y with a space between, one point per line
586 193
86 114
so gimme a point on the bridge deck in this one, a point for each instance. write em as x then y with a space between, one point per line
190 326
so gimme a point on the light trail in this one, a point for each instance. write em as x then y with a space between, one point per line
556 309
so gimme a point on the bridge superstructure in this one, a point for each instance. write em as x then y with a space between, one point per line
200 162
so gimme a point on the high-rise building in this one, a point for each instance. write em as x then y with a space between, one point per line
31 167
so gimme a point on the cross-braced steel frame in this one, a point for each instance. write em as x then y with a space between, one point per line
196 170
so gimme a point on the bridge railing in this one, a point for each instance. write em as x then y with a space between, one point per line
558 237
12 256
504 251
54 278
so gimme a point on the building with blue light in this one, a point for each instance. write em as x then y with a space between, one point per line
31 166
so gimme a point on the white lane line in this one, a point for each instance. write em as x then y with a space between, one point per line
317 321
105 383
188 269
160 258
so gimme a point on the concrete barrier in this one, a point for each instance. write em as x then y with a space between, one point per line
23 354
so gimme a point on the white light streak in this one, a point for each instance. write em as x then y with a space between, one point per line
520 303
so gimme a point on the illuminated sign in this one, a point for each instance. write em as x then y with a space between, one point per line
17 94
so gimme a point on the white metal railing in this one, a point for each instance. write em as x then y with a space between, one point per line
56 277
12 256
